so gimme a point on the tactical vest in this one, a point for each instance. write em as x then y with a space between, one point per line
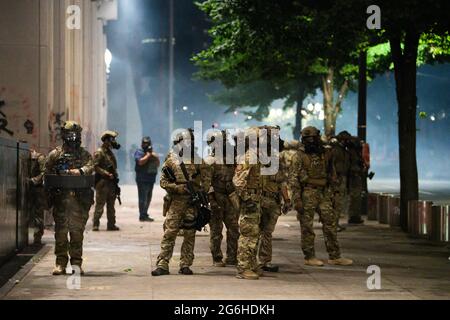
341 160
222 180
315 165
271 183
192 169
67 161
36 166
107 160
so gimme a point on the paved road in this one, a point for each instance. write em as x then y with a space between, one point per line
434 190
118 266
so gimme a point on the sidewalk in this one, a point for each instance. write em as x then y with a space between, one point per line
118 265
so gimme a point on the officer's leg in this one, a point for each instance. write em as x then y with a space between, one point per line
231 220
339 201
249 226
310 204
216 227
172 224
39 217
110 209
61 234
78 217
268 222
329 226
355 199
149 196
142 199
100 200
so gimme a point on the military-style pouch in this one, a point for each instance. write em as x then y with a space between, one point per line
235 200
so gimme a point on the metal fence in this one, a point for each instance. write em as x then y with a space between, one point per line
425 220
14 214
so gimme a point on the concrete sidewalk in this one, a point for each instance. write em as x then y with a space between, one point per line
118 266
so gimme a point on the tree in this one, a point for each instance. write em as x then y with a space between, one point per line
282 42
261 94
262 38
417 33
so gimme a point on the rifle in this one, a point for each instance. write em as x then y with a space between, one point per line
200 201
116 181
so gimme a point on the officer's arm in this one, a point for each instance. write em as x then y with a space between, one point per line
49 163
240 180
88 167
170 186
98 169
297 176
206 172
40 177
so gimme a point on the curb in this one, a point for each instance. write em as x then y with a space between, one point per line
24 270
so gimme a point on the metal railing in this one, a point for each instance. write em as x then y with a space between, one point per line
425 220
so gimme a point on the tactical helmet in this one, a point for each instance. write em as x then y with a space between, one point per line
215 135
186 136
343 135
310 132
71 134
71 126
109 133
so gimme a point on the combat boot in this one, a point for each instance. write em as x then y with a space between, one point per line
160 272
270 268
340 262
219 263
314 262
186 271
248 275
59 271
113 228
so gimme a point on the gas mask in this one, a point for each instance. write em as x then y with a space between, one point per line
72 139
114 144
312 145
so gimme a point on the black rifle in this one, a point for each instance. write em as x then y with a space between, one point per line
116 181
170 175
200 202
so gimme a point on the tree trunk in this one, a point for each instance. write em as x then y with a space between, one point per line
328 105
362 96
298 113
362 117
405 78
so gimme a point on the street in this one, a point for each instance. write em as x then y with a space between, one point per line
118 265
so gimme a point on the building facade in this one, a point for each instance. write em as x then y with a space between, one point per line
52 69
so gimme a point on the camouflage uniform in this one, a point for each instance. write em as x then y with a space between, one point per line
286 158
223 211
355 181
309 183
38 195
70 207
105 163
248 184
270 211
341 163
180 209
